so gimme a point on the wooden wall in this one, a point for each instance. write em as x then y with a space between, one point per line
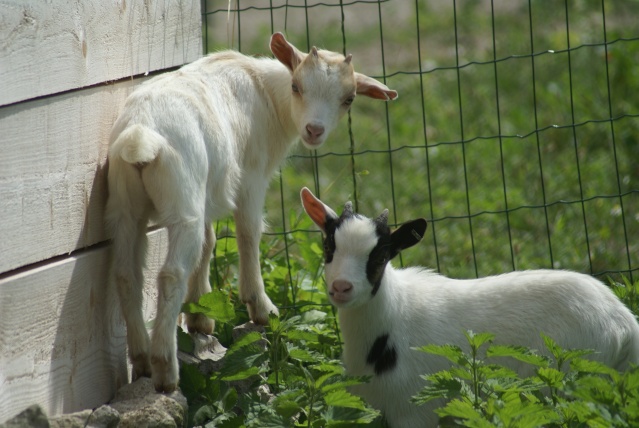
65 71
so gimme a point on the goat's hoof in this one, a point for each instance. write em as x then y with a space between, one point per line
165 388
141 366
260 309
200 323
165 374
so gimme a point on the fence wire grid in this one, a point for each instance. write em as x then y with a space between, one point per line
515 133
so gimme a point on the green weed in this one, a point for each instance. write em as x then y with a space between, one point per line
566 390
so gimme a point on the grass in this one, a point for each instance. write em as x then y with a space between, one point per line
515 162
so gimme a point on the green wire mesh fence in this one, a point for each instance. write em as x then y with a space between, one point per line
515 132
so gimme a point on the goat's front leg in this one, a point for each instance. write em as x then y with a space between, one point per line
248 222
199 285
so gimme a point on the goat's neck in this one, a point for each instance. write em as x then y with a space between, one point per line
277 84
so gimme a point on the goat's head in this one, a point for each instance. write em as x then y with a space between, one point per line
357 249
323 88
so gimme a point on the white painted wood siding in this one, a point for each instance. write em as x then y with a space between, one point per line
65 70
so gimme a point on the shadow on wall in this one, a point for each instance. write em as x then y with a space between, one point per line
88 359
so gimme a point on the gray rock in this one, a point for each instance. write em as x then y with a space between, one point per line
31 417
207 354
104 417
140 406
71 420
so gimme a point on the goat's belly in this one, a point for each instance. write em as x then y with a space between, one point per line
391 394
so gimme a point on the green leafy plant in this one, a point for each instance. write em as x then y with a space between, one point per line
566 390
305 387
290 375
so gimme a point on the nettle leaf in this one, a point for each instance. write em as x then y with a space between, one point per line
524 414
230 421
230 399
494 371
477 340
243 359
590 366
267 420
576 353
452 352
216 305
308 336
630 381
331 386
286 404
551 377
273 322
440 385
519 387
458 408
192 382
343 398
185 341
239 370
461 373
563 355
519 353
302 355
334 367
551 345
347 416
246 340
594 388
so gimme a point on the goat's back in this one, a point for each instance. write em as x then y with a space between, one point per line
214 115
576 310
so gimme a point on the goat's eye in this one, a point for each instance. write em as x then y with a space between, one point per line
349 101
295 88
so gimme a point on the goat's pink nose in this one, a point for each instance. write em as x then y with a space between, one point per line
341 286
314 130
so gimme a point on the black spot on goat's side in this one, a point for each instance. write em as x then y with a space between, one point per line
382 355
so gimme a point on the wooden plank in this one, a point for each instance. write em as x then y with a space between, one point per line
52 174
54 46
62 339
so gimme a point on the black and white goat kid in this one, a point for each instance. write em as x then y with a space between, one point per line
384 312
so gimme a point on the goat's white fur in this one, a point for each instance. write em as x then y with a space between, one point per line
416 307
195 144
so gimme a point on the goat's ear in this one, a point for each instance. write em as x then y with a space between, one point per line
285 52
316 209
407 235
370 87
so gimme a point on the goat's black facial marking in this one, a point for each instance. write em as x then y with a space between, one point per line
331 225
380 255
382 355
329 239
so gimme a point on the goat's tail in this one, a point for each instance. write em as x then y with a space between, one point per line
138 144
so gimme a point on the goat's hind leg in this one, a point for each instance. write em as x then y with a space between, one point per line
199 285
129 251
185 246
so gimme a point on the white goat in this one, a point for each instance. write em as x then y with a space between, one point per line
195 144
384 312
